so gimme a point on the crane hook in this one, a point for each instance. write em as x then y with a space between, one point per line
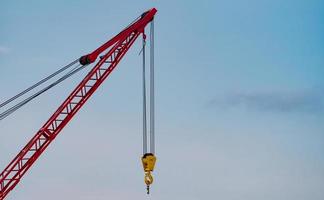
148 161
148 179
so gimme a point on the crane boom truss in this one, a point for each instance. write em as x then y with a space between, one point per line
118 46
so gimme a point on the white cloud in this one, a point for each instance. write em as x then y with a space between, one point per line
305 101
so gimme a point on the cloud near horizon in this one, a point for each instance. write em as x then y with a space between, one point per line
305 101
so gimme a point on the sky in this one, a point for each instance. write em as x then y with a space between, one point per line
239 100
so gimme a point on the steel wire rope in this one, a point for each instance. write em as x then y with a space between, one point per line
144 102
14 108
38 84
152 92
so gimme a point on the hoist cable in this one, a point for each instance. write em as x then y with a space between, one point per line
14 108
144 103
152 92
38 83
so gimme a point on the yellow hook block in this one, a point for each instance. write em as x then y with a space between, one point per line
148 161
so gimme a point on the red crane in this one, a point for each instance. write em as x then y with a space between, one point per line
113 51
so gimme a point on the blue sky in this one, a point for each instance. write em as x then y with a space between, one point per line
239 105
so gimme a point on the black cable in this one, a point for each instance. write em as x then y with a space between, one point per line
25 101
38 83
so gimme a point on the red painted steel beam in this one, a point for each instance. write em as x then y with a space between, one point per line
116 48
139 25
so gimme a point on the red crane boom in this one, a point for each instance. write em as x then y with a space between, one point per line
116 48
